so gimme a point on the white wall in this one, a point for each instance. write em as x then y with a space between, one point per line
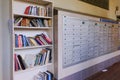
0 41
7 66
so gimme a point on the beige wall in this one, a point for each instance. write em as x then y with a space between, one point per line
82 7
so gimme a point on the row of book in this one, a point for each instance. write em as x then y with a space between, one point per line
47 75
40 39
21 21
31 60
38 11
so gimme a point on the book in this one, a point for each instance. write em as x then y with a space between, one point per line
16 40
27 10
50 54
40 22
27 41
37 12
37 60
19 41
44 11
44 53
45 22
49 10
34 22
47 75
40 58
43 40
47 56
25 22
49 22
30 10
19 66
30 60
16 63
21 62
40 11
17 21
51 75
32 41
24 41
38 40
45 36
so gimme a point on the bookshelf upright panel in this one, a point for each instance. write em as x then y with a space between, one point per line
32 39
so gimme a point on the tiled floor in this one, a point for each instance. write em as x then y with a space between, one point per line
113 73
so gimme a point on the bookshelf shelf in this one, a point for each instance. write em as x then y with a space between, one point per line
32 28
32 16
40 2
33 47
32 68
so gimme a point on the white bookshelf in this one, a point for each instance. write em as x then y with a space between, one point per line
18 8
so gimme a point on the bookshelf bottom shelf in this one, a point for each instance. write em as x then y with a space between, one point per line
39 68
30 73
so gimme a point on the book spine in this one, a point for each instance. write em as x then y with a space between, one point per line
19 66
24 41
19 41
47 39
39 41
27 10
16 40
21 62
15 63
50 54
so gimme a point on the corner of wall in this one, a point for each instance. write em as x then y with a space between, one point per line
1 52
6 47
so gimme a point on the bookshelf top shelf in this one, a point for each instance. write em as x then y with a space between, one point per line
32 47
32 16
40 2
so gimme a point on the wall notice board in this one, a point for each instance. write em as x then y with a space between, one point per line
81 42
100 3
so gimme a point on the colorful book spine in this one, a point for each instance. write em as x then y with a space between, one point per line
15 63
16 40
19 41
39 41
21 62
38 11
27 10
